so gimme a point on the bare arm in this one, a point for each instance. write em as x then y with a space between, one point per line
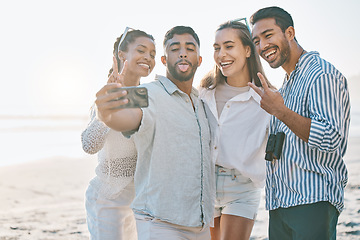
273 103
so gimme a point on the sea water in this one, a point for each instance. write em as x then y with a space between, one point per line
29 138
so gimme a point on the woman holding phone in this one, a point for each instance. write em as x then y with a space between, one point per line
239 129
111 192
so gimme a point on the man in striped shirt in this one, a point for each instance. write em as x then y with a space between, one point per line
305 185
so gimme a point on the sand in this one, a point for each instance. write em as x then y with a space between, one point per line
45 200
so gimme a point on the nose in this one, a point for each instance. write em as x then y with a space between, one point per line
183 53
222 52
263 45
147 56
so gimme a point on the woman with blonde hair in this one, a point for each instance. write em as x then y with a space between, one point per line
239 129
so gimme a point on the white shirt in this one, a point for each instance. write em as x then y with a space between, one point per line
116 157
239 134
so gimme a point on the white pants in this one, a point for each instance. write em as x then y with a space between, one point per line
150 228
111 219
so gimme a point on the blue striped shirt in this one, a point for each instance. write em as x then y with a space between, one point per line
315 171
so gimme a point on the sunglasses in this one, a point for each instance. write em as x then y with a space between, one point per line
242 20
127 29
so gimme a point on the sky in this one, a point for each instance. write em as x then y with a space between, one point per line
55 55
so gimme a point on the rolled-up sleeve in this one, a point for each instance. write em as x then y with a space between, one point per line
326 108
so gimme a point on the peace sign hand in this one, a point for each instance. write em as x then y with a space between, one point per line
115 77
107 100
271 100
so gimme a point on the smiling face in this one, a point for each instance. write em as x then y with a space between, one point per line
230 54
271 42
181 57
140 56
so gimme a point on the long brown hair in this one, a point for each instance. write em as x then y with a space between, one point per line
215 77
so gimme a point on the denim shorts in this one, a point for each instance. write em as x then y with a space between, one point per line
235 194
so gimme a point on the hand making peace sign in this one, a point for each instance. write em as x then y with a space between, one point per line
105 98
271 100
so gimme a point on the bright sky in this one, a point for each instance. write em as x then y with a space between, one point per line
55 55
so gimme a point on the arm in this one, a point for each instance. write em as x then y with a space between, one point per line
297 124
122 120
93 137
328 106
273 103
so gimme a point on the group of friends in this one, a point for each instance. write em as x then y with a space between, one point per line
192 164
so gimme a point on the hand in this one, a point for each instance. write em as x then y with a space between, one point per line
106 101
271 101
115 77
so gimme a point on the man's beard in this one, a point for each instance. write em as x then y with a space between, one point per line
284 55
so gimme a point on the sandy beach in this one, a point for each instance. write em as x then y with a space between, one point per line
45 199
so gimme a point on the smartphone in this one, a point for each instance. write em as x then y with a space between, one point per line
137 96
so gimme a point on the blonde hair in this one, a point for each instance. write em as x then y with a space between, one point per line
215 77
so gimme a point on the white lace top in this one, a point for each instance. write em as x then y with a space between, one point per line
116 157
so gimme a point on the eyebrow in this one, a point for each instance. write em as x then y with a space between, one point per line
190 43
141 45
262 33
230 41
178 43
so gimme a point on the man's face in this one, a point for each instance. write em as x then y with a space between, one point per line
181 57
270 42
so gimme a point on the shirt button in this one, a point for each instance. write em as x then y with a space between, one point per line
187 100
215 147
228 106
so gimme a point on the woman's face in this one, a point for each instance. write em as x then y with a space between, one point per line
229 53
140 56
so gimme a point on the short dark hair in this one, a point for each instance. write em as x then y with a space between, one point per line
282 18
179 30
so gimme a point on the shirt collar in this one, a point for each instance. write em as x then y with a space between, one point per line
304 59
247 95
207 94
170 87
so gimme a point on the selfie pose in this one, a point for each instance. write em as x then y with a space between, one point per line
306 175
111 192
174 177
239 128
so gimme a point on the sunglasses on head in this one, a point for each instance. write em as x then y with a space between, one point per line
242 20
127 29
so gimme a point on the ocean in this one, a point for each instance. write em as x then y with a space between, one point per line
29 138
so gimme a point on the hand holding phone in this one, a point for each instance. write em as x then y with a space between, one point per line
137 97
